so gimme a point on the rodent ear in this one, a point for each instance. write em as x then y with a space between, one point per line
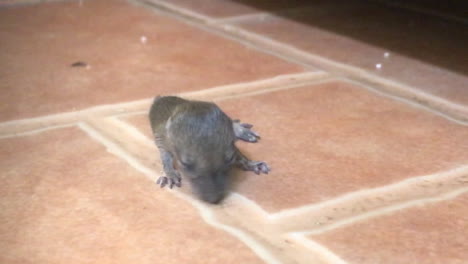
168 123
169 135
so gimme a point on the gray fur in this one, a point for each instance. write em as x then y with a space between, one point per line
196 140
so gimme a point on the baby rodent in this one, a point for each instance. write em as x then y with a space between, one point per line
196 140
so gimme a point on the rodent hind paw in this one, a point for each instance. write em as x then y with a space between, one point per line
243 132
259 167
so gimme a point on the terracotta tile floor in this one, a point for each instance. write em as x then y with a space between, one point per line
362 108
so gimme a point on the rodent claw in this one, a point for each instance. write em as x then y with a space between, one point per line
262 167
164 180
243 131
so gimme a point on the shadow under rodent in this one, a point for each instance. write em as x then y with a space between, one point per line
196 140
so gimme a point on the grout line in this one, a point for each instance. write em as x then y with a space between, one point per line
261 15
114 149
383 200
318 248
25 126
131 113
246 207
240 18
30 2
278 82
209 217
271 90
165 6
232 92
457 111
205 212
251 217
385 211
454 112
69 118
35 131
125 137
295 55
321 216
403 100
129 130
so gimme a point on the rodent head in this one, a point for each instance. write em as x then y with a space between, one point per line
202 142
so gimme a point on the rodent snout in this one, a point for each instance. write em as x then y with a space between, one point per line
213 198
210 189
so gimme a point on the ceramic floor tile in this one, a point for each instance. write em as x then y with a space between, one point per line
129 53
326 140
18 3
450 9
66 199
428 234
427 53
10 3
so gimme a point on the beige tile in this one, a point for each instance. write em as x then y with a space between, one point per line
40 42
426 53
431 234
65 199
326 140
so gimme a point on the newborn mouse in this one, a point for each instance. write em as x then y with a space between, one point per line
196 140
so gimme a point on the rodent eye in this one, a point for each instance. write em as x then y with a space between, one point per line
187 165
230 159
